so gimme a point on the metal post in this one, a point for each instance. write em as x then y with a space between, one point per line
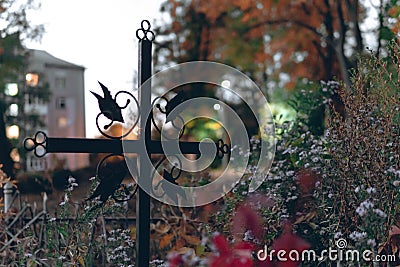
143 199
8 192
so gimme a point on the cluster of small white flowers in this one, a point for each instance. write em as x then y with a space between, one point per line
380 213
297 147
313 157
326 100
338 235
71 183
357 236
111 239
291 198
65 201
371 190
123 239
119 253
157 262
330 86
289 173
249 236
364 207
251 169
242 152
394 171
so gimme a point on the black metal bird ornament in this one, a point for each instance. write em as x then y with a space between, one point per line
170 190
110 180
173 103
109 106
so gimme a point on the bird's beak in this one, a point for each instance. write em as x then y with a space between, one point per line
96 95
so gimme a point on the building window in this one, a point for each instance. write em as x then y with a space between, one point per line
13 110
32 79
62 122
35 164
60 83
12 132
33 100
61 103
15 155
11 89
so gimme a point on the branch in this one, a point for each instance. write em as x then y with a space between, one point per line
296 22
340 48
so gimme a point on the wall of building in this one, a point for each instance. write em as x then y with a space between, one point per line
66 107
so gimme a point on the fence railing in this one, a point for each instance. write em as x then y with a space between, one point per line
23 219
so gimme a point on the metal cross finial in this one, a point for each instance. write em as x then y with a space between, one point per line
144 33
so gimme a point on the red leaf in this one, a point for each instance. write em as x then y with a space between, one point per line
243 246
221 244
247 219
175 260
289 242
237 256
306 180
242 262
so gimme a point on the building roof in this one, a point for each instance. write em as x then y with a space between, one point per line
49 60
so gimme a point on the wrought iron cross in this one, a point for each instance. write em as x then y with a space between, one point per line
144 146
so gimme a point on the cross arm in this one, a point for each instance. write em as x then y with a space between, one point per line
208 148
40 144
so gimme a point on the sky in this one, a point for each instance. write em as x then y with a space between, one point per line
98 35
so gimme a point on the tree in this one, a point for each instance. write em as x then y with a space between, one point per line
10 65
389 24
15 28
198 34
276 43
317 39
195 36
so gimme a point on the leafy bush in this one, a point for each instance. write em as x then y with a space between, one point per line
60 179
345 182
34 183
363 172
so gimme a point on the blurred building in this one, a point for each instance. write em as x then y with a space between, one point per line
62 111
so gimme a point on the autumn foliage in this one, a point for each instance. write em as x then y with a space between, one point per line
317 40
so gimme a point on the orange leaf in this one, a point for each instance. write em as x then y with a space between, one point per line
166 240
192 240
